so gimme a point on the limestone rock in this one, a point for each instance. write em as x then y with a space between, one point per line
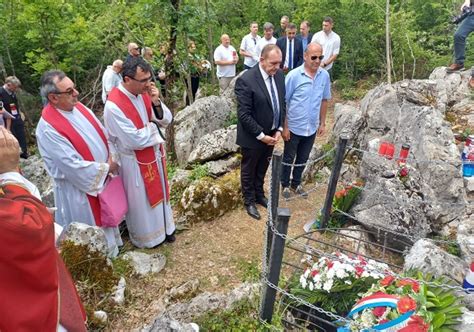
465 237
411 111
425 256
467 324
358 239
92 236
145 263
178 183
312 168
469 184
229 92
347 119
208 199
217 168
215 145
33 170
119 294
202 117
168 324
101 316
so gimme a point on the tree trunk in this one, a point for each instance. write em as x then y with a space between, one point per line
388 55
209 44
171 74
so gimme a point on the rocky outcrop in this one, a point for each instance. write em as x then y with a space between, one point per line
33 169
91 236
428 258
207 199
201 118
220 167
215 145
413 112
144 264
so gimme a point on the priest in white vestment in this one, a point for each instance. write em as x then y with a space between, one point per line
74 147
133 114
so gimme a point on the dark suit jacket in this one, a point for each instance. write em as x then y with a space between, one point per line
254 107
297 51
310 36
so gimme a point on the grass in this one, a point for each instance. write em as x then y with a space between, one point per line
199 172
249 270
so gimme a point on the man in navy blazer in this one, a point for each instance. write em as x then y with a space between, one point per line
305 36
261 111
291 49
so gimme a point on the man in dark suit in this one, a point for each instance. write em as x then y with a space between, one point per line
291 49
305 36
261 114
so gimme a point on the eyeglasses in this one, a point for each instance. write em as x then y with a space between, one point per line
314 57
145 80
69 92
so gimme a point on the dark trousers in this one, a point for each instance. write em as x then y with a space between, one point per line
18 130
299 147
194 88
247 67
253 167
464 29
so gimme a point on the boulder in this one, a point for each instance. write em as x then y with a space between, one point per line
428 258
465 237
33 169
347 119
83 234
144 264
180 180
167 324
202 117
215 145
410 112
207 199
229 92
220 167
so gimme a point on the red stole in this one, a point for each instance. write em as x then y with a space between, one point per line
146 157
62 126
31 270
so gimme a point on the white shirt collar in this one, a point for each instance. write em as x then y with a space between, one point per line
263 72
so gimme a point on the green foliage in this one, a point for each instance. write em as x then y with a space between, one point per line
343 201
231 120
449 244
198 172
249 270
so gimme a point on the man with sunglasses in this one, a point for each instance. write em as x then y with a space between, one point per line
133 115
76 153
308 89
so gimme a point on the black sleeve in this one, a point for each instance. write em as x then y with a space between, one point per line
245 108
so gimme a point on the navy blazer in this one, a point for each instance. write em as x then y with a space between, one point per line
297 51
254 107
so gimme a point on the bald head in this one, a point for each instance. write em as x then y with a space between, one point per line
313 55
133 49
117 66
314 47
225 40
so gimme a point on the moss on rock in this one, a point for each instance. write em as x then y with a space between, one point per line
207 198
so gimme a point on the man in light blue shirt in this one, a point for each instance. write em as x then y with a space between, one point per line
308 89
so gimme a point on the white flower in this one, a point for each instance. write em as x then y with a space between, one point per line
348 282
306 273
328 285
311 286
303 283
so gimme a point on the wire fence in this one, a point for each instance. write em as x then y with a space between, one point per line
285 258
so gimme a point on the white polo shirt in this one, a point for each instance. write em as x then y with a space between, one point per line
331 44
264 42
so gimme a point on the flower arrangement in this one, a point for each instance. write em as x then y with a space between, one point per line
335 284
405 305
343 201
403 173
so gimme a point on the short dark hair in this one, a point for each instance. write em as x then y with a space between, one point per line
328 19
130 66
291 26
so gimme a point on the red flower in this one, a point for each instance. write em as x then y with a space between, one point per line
415 286
378 311
359 270
387 281
314 273
403 172
416 324
340 194
330 264
406 304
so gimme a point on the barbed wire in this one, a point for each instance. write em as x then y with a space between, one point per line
310 162
415 160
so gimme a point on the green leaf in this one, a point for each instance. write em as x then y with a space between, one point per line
438 320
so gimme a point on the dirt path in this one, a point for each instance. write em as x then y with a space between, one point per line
220 254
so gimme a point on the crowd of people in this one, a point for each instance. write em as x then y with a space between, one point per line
283 94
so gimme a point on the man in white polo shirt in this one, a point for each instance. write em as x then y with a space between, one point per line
225 57
266 39
330 41
248 47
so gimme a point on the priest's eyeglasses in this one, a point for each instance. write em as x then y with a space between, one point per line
69 92
145 80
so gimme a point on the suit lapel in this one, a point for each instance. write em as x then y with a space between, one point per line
263 86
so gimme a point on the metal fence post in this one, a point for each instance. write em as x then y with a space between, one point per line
276 257
275 195
336 170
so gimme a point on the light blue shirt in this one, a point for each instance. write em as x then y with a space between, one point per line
303 99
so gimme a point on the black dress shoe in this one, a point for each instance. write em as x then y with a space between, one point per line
170 238
252 211
263 201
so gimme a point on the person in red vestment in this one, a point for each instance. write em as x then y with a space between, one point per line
36 290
